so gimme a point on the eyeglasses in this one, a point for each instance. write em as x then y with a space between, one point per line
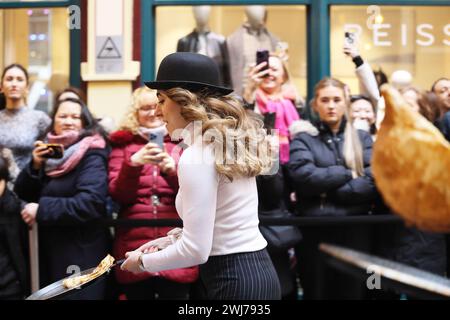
148 108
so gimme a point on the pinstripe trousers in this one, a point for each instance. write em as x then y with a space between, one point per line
241 276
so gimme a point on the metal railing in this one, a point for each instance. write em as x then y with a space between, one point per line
302 222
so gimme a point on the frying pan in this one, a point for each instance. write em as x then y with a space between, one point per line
57 290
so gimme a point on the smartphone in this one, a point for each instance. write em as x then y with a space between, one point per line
349 38
269 121
262 56
56 151
157 138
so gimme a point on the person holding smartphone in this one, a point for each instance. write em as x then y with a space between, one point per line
144 182
368 102
265 90
67 197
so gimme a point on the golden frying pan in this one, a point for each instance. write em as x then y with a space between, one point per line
57 290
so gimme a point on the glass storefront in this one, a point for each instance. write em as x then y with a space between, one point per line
41 45
285 23
411 38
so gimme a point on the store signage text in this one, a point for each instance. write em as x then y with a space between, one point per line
425 34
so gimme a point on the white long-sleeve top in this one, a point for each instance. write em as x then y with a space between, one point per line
219 217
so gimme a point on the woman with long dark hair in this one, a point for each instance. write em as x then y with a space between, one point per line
67 196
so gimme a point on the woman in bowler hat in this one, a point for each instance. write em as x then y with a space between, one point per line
217 198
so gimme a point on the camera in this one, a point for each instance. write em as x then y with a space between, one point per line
262 56
56 151
269 121
157 138
349 38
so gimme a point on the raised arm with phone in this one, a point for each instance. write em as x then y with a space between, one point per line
364 105
351 44
266 90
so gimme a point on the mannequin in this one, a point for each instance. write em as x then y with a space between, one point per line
245 41
256 16
205 42
201 16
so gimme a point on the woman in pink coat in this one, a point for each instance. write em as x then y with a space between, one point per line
143 181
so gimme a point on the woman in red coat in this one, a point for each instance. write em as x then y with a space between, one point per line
143 181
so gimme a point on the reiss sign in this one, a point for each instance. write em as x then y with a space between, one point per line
425 34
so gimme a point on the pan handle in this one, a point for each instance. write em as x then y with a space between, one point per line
34 257
118 262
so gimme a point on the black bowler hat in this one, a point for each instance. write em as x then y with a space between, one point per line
191 71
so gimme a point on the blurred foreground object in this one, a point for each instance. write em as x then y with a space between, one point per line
411 162
389 275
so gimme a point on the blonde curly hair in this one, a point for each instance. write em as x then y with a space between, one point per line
241 145
130 121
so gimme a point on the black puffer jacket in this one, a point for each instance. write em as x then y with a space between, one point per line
69 208
444 125
323 184
13 232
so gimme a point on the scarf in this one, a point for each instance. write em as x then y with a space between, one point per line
74 151
286 114
145 132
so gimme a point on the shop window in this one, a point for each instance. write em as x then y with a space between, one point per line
285 23
411 38
42 45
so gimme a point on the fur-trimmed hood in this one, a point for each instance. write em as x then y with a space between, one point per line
13 168
300 126
124 137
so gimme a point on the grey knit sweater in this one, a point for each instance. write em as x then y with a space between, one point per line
19 129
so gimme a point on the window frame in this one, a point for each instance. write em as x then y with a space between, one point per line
74 34
318 29
148 15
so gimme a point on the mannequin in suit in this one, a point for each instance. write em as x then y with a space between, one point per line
205 42
245 41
